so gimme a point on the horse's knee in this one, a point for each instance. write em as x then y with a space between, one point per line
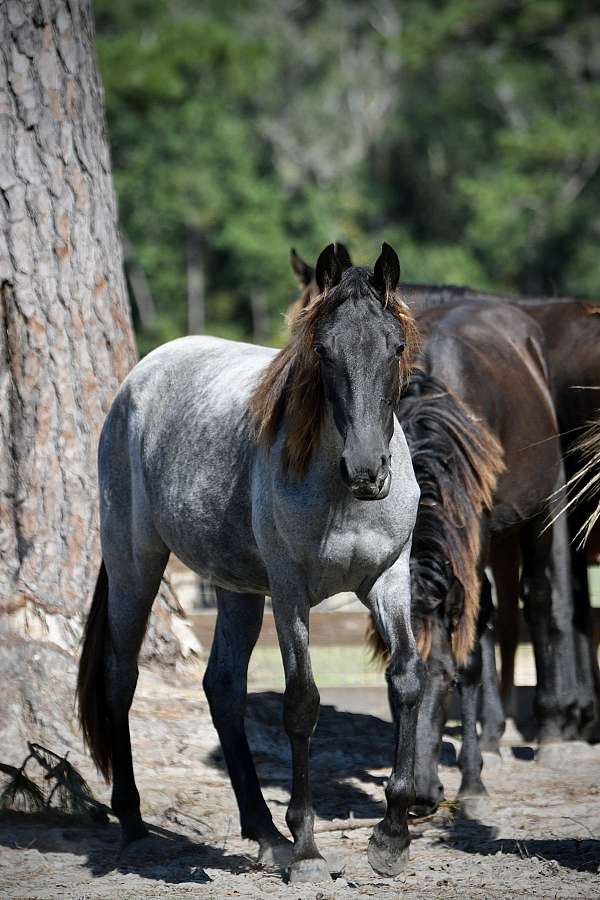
406 682
301 705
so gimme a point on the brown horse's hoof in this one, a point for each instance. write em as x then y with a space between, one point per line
309 870
388 855
277 854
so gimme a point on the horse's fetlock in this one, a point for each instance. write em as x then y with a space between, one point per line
400 791
299 818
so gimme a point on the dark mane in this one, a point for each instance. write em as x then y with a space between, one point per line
457 461
291 386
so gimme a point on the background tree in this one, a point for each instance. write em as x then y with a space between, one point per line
65 344
464 132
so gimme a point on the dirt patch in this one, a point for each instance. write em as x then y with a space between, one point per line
542 837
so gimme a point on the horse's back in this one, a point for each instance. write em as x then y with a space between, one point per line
177 450
493 357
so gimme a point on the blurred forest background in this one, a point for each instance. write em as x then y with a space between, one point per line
465 133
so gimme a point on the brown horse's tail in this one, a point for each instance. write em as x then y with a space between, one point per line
91 696
375 643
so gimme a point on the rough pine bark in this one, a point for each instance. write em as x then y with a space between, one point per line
66 340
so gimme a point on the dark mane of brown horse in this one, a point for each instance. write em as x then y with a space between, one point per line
292 386
457 461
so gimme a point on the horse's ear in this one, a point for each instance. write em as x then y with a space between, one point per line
329 270
344 259
303 272
386 273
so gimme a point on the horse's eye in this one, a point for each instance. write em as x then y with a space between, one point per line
319 349
400 348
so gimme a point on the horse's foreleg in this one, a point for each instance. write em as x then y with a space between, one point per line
470 760
389 601
237 629
492 713
300 715
429 790
564 660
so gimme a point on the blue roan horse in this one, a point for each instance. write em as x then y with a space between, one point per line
254 468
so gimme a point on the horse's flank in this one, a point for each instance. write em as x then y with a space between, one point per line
292 387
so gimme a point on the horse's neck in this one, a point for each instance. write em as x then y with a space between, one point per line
325 460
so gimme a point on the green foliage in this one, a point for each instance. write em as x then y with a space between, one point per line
465 132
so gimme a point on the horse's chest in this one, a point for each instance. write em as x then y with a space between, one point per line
342 552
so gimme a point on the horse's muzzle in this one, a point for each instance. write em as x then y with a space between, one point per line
365 489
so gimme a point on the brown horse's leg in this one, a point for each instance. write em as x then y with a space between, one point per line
504 558
550 623
238 626
586 653
492 712
439 677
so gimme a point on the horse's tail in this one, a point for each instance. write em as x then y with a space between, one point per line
91 695
375 643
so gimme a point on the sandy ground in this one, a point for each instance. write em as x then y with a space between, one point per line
541 837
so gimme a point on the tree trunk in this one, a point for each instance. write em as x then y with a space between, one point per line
195 280
66 340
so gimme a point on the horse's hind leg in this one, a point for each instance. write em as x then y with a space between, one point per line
504 557
238 626
133 581
492 713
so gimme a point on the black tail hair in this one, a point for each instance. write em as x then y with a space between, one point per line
91 696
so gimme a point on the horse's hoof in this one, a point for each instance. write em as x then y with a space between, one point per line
277 854
305 871
135 839
475 809
388 856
